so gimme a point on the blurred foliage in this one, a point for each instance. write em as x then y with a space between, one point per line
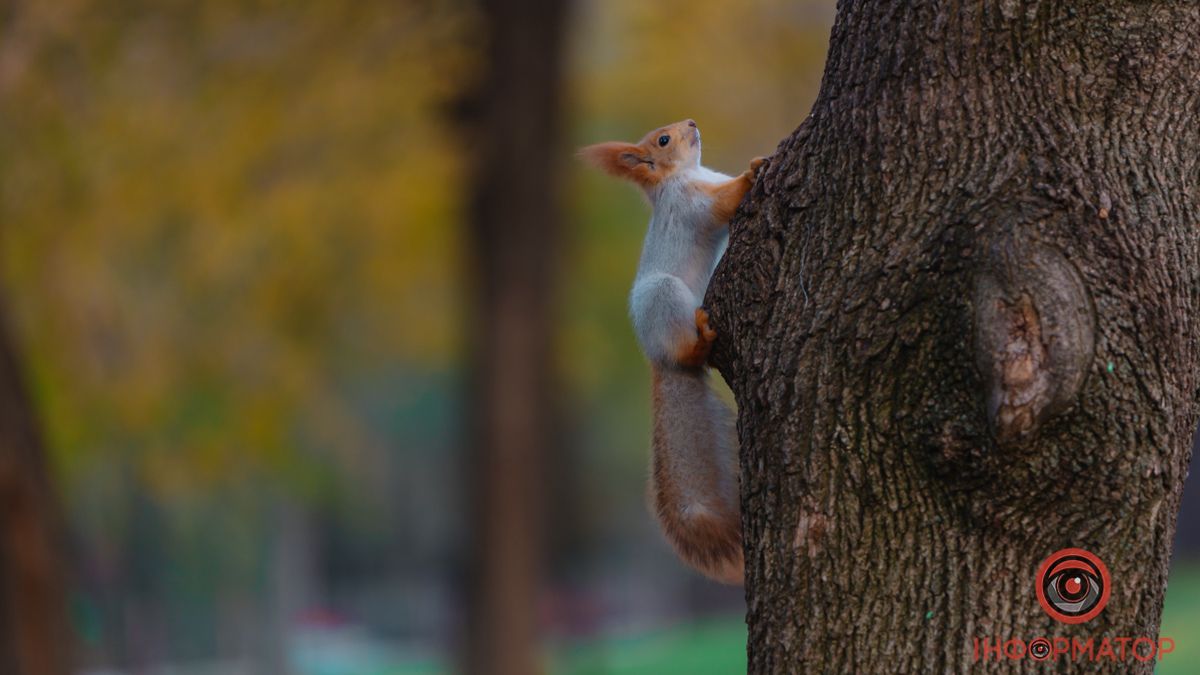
217 214
746 72
229 241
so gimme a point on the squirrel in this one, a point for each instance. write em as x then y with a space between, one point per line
694 482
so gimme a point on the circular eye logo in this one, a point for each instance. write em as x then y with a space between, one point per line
1073 585
1039 649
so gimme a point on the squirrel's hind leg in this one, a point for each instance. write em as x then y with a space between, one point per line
667 319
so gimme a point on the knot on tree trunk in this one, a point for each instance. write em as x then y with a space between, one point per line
1034 334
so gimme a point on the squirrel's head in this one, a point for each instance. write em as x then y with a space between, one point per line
657 157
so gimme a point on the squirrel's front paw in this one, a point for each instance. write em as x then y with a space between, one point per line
755 165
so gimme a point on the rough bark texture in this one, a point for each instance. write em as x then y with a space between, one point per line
514 229
35 636
959 315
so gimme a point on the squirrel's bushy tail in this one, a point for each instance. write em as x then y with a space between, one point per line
695 473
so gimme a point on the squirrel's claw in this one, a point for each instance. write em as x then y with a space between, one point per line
756 165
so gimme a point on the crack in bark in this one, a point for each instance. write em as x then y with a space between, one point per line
1024 380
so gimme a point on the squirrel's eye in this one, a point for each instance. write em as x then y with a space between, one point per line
663 140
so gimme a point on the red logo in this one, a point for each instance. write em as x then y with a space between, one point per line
1073 585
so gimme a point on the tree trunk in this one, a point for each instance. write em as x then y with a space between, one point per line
514 232
959 315
35 638
34 632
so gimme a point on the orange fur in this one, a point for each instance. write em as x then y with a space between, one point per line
623 160
646 162
728 195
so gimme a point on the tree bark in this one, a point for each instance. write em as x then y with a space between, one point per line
959 316
514 231
35 637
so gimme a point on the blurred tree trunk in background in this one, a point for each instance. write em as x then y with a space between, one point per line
36 637
959 312
514 232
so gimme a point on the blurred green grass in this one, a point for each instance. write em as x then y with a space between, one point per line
1181 620
709 647
712 647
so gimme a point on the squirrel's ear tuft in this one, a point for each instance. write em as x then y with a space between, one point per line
624 160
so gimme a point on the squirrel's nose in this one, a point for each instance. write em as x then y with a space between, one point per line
691 123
